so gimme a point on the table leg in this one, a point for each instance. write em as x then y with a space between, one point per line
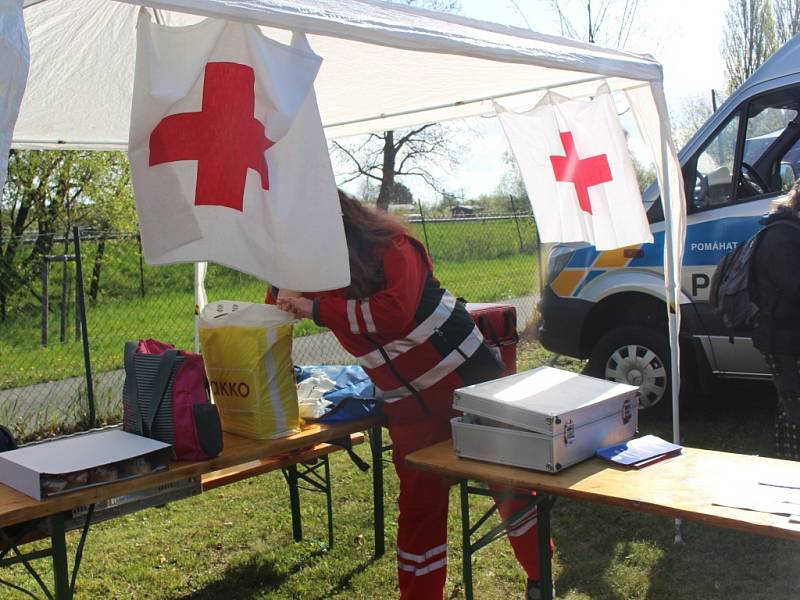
294 502
466 541
545 559
376 445
58 541
542 502
24 559
329 499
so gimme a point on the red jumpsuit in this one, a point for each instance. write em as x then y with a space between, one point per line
418 344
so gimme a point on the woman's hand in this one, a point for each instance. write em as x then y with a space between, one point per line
300 307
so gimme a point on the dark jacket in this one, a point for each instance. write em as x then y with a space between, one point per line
776 274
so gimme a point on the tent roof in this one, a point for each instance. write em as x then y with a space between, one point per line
385 65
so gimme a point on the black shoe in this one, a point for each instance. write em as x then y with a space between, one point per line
534 590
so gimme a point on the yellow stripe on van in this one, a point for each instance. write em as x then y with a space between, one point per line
614 258
567 281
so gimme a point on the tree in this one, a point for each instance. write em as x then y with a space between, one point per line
109 207
384 157
693 112
645 174
47 192
787 19
750 38
607 22
402 195
41 190
512 184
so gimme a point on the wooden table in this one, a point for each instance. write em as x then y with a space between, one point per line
17 509
681 487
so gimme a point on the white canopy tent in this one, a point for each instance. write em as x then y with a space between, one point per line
385 66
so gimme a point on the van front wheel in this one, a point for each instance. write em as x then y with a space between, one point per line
637 356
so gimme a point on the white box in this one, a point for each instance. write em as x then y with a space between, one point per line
24 469
545 419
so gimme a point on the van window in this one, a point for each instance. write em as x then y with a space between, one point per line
711 172
771 156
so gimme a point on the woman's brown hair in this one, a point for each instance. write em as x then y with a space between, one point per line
791 201
367 231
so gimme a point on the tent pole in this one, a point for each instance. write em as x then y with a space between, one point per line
200 299
541 88
31 144
672 283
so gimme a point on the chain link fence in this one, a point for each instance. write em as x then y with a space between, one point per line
69 303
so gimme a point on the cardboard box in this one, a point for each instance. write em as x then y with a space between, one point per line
545 419
29 469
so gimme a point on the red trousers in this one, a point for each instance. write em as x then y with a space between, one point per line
422 524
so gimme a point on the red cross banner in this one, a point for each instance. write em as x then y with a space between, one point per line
228 156
578 172
13 76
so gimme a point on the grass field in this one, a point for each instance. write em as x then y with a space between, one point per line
168 314
235 543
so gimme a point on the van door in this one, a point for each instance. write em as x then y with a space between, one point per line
731 182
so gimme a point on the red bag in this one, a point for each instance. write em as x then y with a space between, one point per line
166 398
498 324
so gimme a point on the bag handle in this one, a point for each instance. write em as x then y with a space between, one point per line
130 386
347 443
414 391
160 384
485 325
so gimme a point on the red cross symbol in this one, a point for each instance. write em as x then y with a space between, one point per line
583 173
224 137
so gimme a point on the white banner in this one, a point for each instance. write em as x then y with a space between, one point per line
228 156
577 170
14 63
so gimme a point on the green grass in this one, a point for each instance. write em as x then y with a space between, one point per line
169 316
123 275
468 240
235 542
489 280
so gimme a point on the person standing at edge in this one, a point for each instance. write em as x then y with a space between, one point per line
776 273
418 344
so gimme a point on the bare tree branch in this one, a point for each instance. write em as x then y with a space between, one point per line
413 132
750 38
515 5
566 26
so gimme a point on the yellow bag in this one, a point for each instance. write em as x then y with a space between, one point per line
247 349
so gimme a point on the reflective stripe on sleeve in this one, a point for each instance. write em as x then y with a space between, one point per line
351 316
442 369
419 335
367 314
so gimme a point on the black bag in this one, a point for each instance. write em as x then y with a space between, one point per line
731 294
7 441
166 398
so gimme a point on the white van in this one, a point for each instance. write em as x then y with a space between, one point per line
609 306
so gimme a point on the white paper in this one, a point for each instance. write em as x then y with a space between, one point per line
763 498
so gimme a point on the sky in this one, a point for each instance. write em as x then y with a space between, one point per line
685 36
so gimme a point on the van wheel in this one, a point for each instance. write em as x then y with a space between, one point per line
637 356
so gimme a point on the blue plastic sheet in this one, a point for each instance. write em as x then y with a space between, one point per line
354 395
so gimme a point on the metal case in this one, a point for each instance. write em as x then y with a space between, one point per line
545 419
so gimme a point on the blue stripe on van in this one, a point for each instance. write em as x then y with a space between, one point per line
652 255
706 244
589 276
